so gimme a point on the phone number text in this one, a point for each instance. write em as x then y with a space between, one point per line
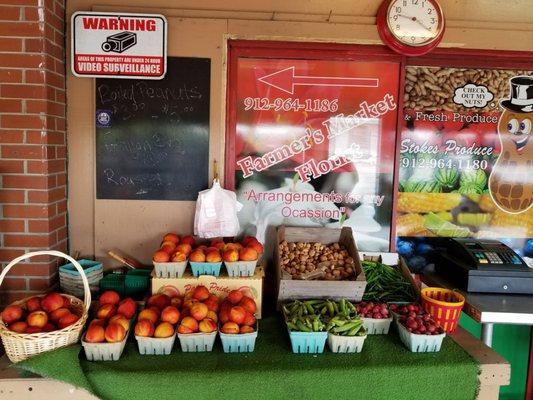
290 104
443 163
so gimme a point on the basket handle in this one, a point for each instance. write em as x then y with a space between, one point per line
87 290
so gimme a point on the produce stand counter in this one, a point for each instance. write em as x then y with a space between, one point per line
490 309
494 371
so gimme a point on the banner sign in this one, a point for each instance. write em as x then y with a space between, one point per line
119 45
465 155
315 145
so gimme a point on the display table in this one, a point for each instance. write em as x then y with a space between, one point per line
384 370
489 309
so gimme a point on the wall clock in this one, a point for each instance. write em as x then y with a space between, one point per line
411 27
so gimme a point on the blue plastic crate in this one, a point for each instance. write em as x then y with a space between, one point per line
87 265
203 268
308 342
238 343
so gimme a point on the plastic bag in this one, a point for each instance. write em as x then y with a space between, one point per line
216 213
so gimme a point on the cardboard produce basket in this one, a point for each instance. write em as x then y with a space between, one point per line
291 289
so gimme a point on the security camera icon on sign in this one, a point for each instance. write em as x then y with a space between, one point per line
119 42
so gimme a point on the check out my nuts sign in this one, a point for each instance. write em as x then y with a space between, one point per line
119 45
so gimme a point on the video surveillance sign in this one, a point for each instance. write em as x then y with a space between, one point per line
118 45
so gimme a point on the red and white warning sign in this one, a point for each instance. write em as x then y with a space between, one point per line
119 45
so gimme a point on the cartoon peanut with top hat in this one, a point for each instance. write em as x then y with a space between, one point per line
511 180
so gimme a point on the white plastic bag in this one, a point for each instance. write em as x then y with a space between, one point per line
216 213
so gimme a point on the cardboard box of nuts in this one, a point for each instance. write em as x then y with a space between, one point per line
318 263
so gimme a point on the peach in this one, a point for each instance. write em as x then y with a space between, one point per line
213 257
212 305
178 256
237 314
19 326
219 244
176 302
67 320
49 327
127 307
248 254
201 248
248 304
33 304
226 305
115 333
170 290
159 300
256 246
184 248
246 329
210 249
235 296
66 301
58 314
187 304
12 314
230 328
120 319
212 315
95 334
37 319
51 302
190 323
249 319
171 237
33 329
99 322
233 246
197 256
248 239
161 256
144 327
148 314
168 247
184 330
200 293
199 311
106 311
170 314
223 316
230 255
207 325
188 240
164 330
109 297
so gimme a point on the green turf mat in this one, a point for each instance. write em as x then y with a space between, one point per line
384 370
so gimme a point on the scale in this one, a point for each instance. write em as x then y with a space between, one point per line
484 266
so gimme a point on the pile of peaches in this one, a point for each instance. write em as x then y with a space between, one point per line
112 319
176 249
40 314
198 311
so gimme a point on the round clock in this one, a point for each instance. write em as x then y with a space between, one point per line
411 27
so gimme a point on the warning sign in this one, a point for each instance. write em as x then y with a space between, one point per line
119 45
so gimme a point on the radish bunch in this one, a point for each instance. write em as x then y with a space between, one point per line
373 310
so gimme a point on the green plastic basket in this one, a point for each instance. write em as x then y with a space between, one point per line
137 283
116 282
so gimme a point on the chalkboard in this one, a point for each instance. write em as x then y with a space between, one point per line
152 137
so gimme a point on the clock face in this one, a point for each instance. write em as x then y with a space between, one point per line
414 22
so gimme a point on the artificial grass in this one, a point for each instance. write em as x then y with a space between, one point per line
384 370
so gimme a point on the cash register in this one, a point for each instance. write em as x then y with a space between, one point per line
484 266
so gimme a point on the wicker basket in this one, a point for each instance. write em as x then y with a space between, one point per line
20 346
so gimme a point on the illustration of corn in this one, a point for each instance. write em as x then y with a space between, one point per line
409 224
427 202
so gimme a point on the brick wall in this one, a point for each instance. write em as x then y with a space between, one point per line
33 201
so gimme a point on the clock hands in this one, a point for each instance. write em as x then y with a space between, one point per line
415 20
